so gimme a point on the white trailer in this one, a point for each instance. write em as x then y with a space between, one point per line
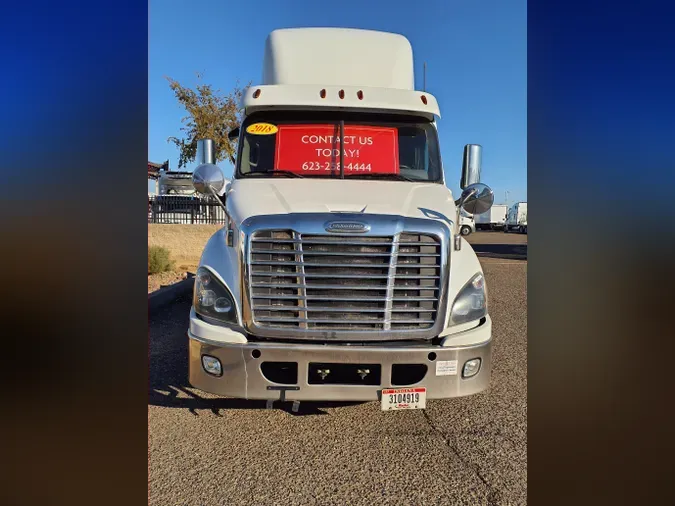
516 218
493 219
342 273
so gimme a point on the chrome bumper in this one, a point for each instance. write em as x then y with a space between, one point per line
243 378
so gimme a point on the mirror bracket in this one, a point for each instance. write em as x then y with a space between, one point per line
465 196
208 179
458 206
213 192
479 197
229 233
233 134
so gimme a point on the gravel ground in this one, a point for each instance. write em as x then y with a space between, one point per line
208 450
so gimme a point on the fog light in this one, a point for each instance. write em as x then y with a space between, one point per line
471 368
212 365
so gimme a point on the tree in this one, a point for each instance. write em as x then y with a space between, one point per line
211 115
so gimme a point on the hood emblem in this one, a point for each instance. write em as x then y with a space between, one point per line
350 227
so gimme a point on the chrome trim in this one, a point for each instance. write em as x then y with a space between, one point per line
389 303
328 297
347 227
380 226
337 287
347 310
297 245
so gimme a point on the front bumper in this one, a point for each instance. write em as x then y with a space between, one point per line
242 376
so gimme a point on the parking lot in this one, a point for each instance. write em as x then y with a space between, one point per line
209 450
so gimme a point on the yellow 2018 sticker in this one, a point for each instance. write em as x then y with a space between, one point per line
262 129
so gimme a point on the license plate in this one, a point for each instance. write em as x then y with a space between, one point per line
404 398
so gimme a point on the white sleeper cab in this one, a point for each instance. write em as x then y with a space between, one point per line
341 273
516 218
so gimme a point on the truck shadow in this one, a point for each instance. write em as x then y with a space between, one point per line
168 375
504 251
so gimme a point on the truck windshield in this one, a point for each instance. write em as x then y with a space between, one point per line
294 144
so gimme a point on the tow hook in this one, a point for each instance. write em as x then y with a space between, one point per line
323 373
363 372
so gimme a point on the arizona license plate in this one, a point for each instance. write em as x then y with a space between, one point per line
404 398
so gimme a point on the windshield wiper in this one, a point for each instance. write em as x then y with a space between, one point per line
286 173
392 177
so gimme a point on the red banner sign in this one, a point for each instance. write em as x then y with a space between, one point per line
315 149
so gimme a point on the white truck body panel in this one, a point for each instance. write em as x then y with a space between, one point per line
299 63
299 97
338 57
496 215
252 197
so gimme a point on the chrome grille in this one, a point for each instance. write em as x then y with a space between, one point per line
344 282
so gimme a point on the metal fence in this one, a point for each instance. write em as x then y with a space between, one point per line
187 209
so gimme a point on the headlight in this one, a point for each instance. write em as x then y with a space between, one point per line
471 303
212 299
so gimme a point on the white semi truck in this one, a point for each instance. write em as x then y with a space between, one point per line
516 218
341 274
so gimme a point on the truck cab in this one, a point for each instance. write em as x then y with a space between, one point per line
516 218
342 273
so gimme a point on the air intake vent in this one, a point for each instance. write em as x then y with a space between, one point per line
344 283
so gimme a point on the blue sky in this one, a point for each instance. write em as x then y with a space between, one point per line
476 54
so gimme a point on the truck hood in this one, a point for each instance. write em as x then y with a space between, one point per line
253 197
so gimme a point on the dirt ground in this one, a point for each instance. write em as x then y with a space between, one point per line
157 281
185 244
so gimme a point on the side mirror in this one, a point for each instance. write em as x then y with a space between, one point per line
208 179
477 198
471 163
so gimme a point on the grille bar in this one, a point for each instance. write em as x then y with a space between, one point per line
333 297
302 303
349 243
335 320
341 287
338 275
291 309
391 283
347 253
336 264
